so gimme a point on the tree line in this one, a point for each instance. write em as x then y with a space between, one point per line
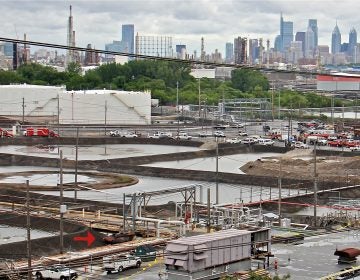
164 79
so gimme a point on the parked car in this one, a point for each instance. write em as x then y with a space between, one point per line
204 134
219 134
183 136
115 133
233 141
56 272
355 148
242 133
120 262
129 135
300 145
248 140
266 142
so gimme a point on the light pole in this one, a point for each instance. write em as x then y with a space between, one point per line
280 186
315 187
217 170
199 100
177 107
279 107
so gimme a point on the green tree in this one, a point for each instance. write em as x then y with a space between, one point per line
246 80
74 68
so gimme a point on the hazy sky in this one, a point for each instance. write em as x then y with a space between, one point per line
219 21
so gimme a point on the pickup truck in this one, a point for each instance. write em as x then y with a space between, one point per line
56 272
120 262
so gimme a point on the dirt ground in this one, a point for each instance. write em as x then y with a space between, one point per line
105 181
299 164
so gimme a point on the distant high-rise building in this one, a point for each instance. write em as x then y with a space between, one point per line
300 37
8 49
309 43
295 52
286 33
240 50
344 48
336 40
180 51
352 42
229 52
277 43
128 37
314 28
253 50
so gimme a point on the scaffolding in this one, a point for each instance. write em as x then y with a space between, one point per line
241 109
160 46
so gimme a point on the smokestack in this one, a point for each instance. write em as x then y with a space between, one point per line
69 53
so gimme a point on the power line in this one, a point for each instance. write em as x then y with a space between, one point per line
141 56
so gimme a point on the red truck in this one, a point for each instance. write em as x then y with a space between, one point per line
5 133
40 131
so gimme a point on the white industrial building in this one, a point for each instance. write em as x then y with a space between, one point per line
55 104
338 82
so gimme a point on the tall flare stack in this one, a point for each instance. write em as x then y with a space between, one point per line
70 40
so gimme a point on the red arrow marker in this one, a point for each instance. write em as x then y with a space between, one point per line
89 238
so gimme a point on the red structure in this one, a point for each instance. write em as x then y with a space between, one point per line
41 132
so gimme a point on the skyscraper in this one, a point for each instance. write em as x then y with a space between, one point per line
352 41
336 40
286 33
229 52
300 37
128 37
314 28
277 43
309 43
240 53
253 50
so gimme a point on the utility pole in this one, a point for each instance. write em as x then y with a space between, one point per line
208 210
279 115
315 187
217 170
199 100
61 206
279 185
23 111
76 163
72 106
28 231
105 117
58 114
124 212
177 108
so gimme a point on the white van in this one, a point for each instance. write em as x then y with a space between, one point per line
265 142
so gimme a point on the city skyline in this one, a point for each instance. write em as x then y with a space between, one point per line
186 22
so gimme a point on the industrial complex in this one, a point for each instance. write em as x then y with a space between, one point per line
57 105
